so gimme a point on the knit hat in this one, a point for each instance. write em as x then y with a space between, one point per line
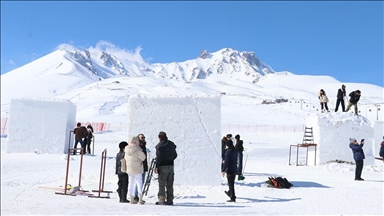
229 143
352 140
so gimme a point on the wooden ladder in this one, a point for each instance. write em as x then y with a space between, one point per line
308 135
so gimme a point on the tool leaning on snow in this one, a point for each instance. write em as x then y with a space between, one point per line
149 177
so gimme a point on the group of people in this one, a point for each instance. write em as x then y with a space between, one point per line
232 162
132 165
83 135
341 95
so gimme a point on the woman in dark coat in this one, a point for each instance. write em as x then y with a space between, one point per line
358 156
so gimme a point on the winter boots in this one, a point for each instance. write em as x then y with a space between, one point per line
141 201
161 201
133 201
122 196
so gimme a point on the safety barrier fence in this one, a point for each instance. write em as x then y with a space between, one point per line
226 128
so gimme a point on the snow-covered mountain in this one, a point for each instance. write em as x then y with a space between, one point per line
100 80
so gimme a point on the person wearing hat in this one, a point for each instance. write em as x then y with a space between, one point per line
239 148
358 156
355 97
230 168
165 156
122 189
340 98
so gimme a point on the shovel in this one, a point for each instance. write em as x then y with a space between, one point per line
241 177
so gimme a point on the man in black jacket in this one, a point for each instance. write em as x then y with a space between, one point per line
165 155
355 97
230 168
341 93
122 190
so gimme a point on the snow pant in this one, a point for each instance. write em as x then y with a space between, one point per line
359 168
349 106
338 101
135 180
324 104
240 163
142 183
81 141
231 184
166 178
122 186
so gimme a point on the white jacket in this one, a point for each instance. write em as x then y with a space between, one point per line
134 156
323 98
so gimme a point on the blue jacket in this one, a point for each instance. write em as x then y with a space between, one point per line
230 161
358 152
382 149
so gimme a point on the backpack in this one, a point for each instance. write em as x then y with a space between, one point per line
279 182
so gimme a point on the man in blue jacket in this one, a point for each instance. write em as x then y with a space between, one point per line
230 168
358 156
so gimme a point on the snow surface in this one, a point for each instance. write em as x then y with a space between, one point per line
325 189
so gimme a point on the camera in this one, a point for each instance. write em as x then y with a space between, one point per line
362 140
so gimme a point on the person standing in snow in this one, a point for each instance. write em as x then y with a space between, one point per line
165 156
230 168
341 94
239 148
381 153
134 157
88 139
323 100
80 134
223 148
143 146
123 176
355 97
358 156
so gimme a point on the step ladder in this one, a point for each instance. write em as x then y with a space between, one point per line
308 135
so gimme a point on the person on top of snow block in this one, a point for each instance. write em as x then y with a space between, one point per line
122 189
323 100
165 156
355 97
358 156
230 168
341 94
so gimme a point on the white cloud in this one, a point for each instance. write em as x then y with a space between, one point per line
118 52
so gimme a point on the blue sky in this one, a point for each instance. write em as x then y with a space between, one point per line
340 39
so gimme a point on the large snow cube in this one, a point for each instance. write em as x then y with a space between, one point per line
192 123
40 125
332 132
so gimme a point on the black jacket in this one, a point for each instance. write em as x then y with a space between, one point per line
230 161
354 97
143 145
119 156
165 153
239 146
341 93
223 144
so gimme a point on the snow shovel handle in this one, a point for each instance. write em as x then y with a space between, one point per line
245 163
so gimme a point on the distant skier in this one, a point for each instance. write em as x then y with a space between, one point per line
355 97
323 100
341 94
358 156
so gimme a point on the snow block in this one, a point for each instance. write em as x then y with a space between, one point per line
192 123
40 125
332 131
